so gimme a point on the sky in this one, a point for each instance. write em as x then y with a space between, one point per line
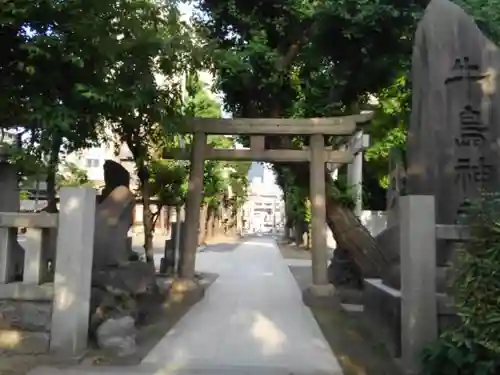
186 9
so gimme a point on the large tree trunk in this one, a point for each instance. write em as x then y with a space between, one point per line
347 229
52 172
147 215
352 236
168 221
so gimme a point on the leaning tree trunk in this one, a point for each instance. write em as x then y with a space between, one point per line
348 231
352 236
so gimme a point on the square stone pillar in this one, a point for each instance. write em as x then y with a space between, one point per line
358 143
35 259
418 278
318 210
7 263
11 253
73 272
193 204
321 287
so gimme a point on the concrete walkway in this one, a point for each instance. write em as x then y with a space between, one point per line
251 321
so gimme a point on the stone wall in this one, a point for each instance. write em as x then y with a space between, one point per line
46 305
407 308
382 312
25 318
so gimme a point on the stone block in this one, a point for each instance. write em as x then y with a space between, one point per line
24 292
382 311
388 242
25 315
23 342
392 277
73 272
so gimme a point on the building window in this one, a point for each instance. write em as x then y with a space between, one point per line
92 163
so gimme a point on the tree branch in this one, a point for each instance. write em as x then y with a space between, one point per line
156 214
294 48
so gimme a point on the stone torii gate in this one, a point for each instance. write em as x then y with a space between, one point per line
317 154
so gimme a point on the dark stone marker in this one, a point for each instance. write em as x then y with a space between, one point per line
453 151
114 175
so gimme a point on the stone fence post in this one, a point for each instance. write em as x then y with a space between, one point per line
73 272
418 278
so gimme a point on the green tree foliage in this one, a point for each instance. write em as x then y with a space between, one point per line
476 286
53 74
295 58
169 178
485 14
71 175
72 66
268 55
389 125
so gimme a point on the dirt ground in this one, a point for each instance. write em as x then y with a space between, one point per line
148 335
222 239
358 352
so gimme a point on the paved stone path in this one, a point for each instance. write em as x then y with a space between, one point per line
251 321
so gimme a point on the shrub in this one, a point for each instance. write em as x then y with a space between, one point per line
455 354
476 288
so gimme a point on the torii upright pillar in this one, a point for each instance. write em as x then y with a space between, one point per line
320 287
187 283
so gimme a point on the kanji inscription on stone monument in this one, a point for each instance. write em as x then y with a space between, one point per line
472 130
472 170
462 70
472 173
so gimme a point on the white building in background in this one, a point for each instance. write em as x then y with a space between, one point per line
91 160
264 209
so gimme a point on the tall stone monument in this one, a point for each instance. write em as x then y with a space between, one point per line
453 151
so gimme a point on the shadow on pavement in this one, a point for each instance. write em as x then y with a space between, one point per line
219 248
